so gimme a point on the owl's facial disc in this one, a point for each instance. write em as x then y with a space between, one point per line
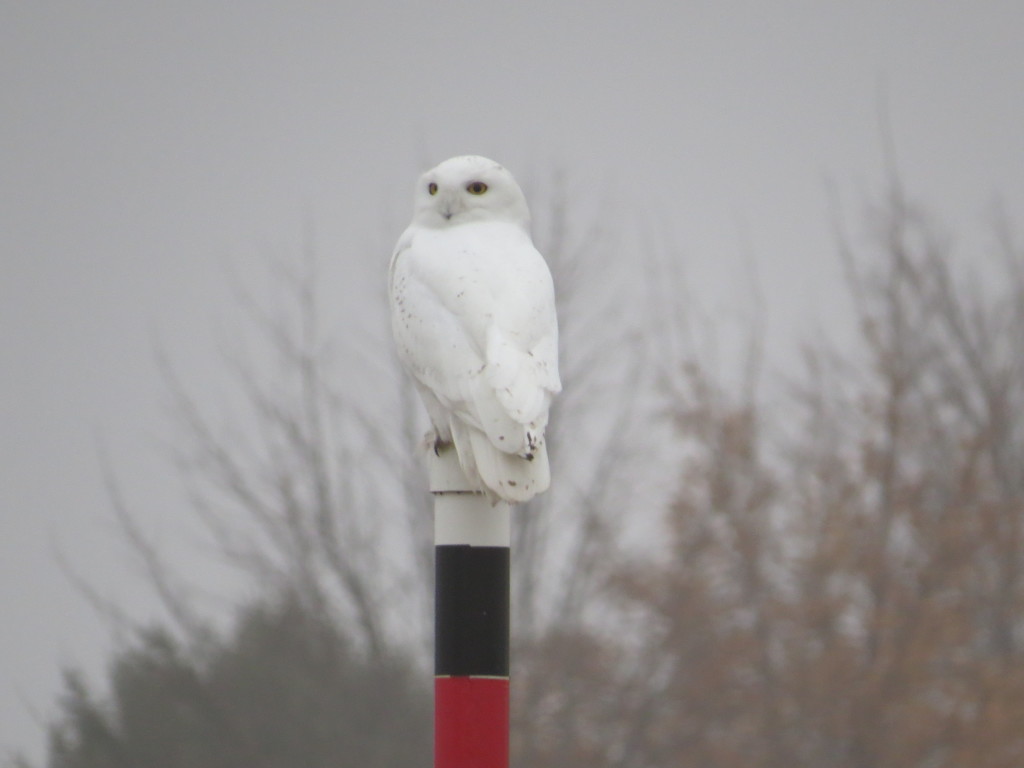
469 189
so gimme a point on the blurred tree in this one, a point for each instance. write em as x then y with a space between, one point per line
307 481
845 583
837 580
284 689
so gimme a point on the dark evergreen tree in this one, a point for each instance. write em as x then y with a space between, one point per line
284 689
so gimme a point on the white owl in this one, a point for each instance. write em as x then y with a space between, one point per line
473 315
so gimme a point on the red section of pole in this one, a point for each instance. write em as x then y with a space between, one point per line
471 722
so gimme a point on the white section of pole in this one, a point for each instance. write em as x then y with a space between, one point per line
463 515
470 519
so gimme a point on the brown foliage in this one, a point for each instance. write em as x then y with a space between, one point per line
843 583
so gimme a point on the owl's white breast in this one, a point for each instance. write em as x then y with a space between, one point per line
483 274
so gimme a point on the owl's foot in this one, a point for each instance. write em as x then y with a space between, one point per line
433 442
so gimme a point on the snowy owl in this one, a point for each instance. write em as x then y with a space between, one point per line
473 315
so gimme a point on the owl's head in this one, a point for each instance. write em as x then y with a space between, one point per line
468 189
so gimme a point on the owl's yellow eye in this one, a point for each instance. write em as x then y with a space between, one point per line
432 188
476 187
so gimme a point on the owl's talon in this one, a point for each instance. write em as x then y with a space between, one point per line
433 442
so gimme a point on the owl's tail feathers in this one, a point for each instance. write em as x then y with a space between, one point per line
504 476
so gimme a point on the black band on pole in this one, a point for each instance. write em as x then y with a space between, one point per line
472 611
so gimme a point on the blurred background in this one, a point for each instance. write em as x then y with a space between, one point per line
786 526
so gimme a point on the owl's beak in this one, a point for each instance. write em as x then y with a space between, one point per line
449 206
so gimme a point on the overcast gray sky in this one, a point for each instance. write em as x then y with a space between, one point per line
142 145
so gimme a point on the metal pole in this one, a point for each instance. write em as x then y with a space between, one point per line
471 615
